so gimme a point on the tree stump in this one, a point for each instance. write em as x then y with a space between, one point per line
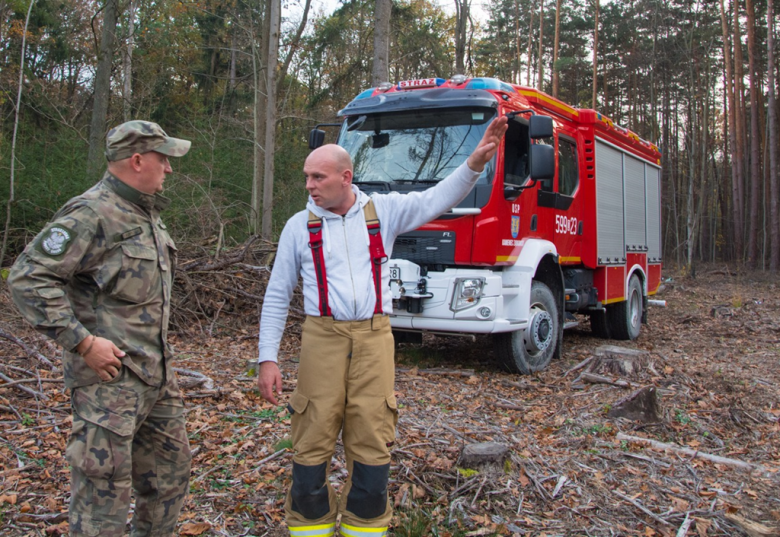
475 455
642 406
617 361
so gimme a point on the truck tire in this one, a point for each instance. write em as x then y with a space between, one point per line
530 350
625 318
599 325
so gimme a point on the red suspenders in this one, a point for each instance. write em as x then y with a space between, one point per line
375 249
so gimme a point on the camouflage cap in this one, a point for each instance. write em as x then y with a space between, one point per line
141 137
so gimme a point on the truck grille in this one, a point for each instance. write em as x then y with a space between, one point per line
426 247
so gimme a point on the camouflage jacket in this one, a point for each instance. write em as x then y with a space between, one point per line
103 266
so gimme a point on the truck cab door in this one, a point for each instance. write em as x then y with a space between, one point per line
559 203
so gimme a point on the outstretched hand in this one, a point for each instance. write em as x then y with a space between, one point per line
488 146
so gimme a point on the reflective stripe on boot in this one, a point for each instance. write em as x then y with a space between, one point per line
321 530
354 531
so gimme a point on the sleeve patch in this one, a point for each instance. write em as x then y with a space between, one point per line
56 240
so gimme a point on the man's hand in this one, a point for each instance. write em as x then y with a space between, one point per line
488 146
102 356
268 378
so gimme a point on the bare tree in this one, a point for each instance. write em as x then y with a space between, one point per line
382 10
462 9
9 205
102 91
270 125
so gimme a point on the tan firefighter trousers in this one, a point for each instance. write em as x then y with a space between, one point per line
345 383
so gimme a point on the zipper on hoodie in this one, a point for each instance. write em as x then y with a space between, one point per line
349 264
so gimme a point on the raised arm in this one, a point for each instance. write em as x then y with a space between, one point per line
488 146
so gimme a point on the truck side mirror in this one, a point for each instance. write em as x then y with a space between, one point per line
542 162
316 138
540 127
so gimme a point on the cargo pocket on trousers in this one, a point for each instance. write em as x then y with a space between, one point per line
103 423
390 421
297 408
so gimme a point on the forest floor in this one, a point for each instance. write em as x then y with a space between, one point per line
712 355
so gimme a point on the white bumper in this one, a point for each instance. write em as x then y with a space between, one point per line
502 307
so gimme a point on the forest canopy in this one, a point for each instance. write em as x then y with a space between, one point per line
696 78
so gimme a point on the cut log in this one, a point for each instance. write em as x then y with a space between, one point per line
753 529
190 379
642 406
475 455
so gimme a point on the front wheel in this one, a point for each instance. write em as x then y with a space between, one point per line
530 350
625 318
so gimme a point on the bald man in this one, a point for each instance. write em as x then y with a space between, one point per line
346 374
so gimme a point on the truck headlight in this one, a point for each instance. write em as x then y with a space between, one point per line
467 292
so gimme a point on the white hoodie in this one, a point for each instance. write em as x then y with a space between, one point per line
351 294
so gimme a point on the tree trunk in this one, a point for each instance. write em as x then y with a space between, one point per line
260 62
97 130
595 56
774 188
293 47
10 203
518 76
530 47
270 125
736 167
556 77
379 72
755 138
462 9
739 125
127 64
540 83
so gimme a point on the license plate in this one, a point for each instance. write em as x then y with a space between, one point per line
395 273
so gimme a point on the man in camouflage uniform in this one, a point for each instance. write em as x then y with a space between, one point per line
98 280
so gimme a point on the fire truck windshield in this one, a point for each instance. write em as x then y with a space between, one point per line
414 146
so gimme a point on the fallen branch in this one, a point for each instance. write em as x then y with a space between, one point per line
11 382
691 452
232 259
448 372
639 506
600 379
32 353
579 366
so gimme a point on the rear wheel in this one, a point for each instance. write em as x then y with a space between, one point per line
625 318
599 325
530 350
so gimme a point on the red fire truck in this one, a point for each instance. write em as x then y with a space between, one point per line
565 220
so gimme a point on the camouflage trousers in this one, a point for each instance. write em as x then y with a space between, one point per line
127 438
